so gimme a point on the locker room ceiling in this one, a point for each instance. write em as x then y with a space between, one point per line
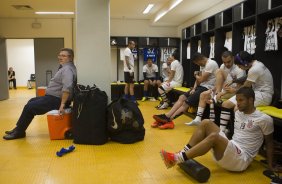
120 9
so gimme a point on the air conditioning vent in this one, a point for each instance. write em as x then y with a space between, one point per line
22 7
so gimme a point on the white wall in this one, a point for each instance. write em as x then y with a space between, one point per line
50 28
127 27
114 61
20 56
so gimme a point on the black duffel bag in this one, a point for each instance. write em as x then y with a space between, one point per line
125 122
89 115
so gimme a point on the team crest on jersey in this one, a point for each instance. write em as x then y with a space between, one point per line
250 124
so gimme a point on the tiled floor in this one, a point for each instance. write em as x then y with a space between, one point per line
33 159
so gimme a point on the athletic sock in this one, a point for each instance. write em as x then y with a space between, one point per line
199 115
132 98
163 96
224 118
180 157
126 96
186 148
212 114
145 93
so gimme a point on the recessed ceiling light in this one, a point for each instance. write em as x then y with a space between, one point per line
22 7
54 13
148 8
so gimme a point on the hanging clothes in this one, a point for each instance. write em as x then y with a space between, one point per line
212 47
270 32
199 46
150 53
253 40
228 40
189 51
166 52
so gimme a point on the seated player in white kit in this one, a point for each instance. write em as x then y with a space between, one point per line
150 74
174 80
258 77
205 80
227 73
251 128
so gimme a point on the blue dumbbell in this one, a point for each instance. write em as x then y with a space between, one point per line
64 151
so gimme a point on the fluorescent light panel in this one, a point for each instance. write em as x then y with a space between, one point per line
160 16
170 8
148 8
54 13
175 4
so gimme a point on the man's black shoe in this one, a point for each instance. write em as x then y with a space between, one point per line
14 135
10 131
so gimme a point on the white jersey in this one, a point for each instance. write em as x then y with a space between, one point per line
232 73
199 50
166 52
210 67
228 40
212 47
150 71
249 130
165 67
189 51
271 42
178 75
127 52
261 78
250 40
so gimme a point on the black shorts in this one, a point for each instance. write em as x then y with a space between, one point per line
152 79
128 78
193 100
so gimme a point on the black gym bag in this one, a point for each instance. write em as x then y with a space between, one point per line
125 122
89 115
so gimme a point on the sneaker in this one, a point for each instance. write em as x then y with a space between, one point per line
144 99
168 158
161 103
169 125
156 124
193 123
162 118
164 106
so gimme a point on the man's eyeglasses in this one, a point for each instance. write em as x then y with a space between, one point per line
61 55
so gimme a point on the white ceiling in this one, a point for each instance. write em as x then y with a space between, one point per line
120 9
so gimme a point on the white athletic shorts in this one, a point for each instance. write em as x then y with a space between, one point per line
234 158
261 99
170 85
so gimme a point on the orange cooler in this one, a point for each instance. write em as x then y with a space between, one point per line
59 125
41 91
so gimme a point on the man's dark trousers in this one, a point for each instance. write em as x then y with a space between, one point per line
37 106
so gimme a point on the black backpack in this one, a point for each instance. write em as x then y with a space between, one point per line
89 115
125 122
